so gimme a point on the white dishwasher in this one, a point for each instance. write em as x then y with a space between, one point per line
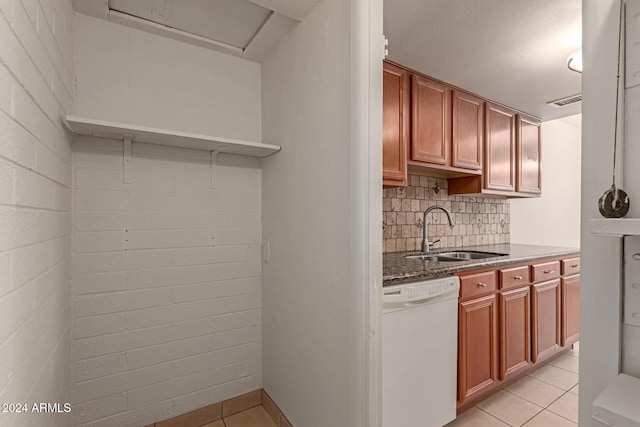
419 353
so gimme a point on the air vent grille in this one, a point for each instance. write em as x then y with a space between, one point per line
559 103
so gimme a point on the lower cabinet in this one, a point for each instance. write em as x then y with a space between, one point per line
477 341
546 318
515 327
511 318
570 309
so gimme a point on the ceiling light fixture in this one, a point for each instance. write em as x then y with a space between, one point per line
574 62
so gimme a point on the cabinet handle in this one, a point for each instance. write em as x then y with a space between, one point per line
575 265
549 271
517 277
482 285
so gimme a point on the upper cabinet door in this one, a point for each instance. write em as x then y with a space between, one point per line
500 148
529 161
395 125
431 121
467 138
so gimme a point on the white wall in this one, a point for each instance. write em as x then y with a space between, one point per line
554 218
600 294
306 217
36 75
129 76
631 333
166 298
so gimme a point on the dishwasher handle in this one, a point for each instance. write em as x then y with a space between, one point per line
404 300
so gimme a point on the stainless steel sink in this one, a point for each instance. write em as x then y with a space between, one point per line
455 256
469 255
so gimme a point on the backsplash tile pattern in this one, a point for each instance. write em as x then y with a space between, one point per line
479 220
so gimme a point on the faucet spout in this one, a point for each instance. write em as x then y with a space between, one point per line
425 242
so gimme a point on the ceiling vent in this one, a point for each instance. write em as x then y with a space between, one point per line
559 103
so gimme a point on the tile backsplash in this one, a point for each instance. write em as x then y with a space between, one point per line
479 220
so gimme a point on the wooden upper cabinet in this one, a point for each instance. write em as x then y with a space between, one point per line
430 121
482 147
500 148
529 164
395 125
467 138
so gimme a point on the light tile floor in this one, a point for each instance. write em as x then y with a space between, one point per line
547 397
254 417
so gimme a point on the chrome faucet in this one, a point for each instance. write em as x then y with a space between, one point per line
425 242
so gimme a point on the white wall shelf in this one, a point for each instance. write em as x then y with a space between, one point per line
616 227
617 405
112 130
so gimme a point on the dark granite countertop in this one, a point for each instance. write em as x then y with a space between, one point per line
397 269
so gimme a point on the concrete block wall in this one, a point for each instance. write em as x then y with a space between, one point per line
36 87
165 282
166 274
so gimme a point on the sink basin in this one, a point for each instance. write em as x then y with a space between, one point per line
455 256
469 255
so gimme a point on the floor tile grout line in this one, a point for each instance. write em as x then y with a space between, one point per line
546 382
493 416
524 398
547 407
561 416
537 413
577 373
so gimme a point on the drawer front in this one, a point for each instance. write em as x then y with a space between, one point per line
545 271
514 277
473 285
570 266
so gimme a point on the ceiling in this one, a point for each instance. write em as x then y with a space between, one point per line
244 28
510 51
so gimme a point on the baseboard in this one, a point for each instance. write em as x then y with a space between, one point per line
218 411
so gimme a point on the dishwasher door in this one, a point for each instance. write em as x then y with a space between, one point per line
419 354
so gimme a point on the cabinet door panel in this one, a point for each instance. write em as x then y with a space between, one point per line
515 318
545 309
395 124
570 310
430 121
529 164
500 148
467 138
477 339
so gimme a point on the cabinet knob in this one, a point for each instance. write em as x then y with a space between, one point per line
482 285
575 266
549 271
517 277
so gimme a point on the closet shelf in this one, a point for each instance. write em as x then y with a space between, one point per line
616 227
112 130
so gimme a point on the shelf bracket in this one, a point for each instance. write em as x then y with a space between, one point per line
214 165
128 138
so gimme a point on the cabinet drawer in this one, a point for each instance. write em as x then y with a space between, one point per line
514 277
545 271
570 266
473 285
